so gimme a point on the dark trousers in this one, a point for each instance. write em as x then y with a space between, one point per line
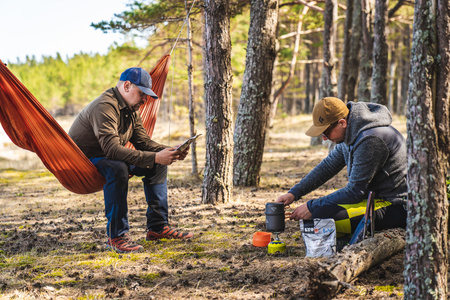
115 191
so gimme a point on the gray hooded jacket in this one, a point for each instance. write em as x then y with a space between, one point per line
375 155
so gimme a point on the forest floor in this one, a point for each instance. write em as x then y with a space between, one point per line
52 241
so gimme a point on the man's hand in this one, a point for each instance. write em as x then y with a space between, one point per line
182 154
167 156
286 199
301 212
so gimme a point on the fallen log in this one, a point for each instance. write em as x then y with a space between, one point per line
358 258
326 277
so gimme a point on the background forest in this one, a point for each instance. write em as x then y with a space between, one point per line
65 85
366 50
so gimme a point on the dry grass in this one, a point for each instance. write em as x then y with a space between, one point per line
52 241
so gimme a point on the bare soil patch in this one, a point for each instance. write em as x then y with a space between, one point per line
52 241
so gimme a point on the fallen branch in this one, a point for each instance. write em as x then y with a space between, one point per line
358 258
325 278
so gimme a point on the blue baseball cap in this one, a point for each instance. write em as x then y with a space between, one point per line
141 79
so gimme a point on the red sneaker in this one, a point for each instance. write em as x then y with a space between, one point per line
123 244
168 233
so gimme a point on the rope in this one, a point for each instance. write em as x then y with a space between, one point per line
173 67
184 23
170 98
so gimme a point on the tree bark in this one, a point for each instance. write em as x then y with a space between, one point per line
355 45
217 183
329 82
365 64
254 105
345 60
380 54
428 152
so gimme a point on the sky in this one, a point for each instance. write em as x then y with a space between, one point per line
46 27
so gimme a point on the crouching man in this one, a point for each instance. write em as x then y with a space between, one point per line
375 155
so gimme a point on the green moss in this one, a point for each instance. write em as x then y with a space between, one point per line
86 246
385 288
6 234
296 235
53 274
57 273
89 297
100 263
197 249
224 269
150 276
21 260
63 283
220 235
175 255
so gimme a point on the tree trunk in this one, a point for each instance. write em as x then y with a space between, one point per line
285 83
315 141
401 61
344 70
392 78
428 152
329 83
308 93
380 54
191 94
365 64
355 45
254 105
217 182
405 69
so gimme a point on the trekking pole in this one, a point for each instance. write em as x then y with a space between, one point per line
372 216
368 215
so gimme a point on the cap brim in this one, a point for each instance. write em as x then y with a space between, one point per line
316 130
148 91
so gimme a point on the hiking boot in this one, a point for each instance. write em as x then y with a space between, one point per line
168 233
123 244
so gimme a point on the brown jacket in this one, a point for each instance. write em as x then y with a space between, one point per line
105 125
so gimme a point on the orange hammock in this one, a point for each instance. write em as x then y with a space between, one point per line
30 126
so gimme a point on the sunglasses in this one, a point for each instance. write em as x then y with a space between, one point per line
327 131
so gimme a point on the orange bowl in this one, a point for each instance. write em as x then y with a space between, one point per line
261 239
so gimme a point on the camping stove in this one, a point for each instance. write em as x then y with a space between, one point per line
275 224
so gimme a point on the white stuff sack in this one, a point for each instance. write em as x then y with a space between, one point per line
319 236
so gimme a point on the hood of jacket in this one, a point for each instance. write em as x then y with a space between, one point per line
363 116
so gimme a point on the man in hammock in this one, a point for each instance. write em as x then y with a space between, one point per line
375 155
101 131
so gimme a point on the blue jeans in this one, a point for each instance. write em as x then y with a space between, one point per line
115 191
